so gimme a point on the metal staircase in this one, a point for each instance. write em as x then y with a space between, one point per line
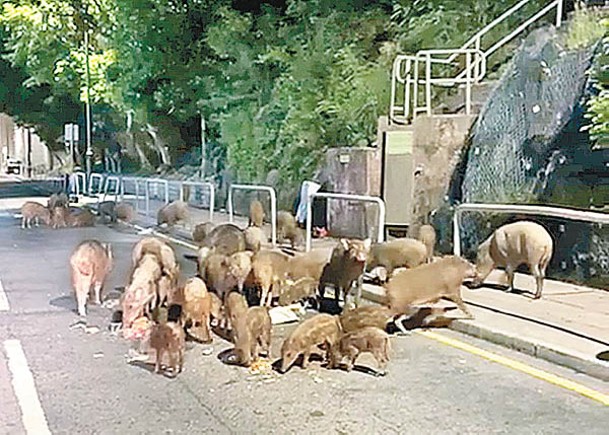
413 76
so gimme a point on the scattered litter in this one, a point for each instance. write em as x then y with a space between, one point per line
261 366
317 414
317 380
145 231
17 215
79 324
207 351
98 355
536 108
91 329
462 361
110 303
281 315
134 356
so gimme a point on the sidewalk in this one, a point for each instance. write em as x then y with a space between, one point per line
568 326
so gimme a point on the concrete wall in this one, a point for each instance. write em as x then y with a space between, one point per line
14 143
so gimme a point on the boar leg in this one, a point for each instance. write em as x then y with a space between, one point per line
509 270
539 276
81 299
457 300
159 357
352 354
379 356
97 288
305 358
263 295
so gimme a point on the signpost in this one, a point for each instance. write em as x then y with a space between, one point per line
70 132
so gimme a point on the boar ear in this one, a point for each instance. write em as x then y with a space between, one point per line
367 243
345 243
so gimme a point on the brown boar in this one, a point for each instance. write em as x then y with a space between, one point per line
298 290
239 267
125 211
59 217
511 245
256 217
269 269
197 307
217 309
201 231
235 307
90 263
254 236
162 251
402 252
321 329
165 289
172 213
287 229
214 271
225 239
168 338
308 264
141 293
357 318
58 200
368 339
252 335
82 218
428 283
427 236
345 267
107 209
32 211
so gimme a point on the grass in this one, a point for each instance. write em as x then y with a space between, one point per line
585 28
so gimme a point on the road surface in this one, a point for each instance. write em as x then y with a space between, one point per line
84 384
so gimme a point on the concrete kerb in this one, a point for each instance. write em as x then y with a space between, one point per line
562 357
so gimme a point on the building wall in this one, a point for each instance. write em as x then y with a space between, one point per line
14 143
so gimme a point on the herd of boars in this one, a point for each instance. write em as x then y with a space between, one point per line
238 281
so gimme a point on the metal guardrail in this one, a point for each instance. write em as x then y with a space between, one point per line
473 72
152 182
212 194
116 190
538 210
76 179
344 196
92 178
260 188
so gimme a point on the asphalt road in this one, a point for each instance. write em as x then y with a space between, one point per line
85 385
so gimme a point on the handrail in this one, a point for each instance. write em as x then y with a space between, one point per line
117 186
212 194
150 181
273 204
538 210
474 71
95 176
330 195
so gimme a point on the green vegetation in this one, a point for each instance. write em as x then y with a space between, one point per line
598 107
277 81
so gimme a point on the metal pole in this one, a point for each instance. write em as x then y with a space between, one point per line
456 235
309 223
559 7
89 152
202 145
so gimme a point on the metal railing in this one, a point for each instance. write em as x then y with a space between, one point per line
76 179
537 210
259 188
406 77
149 182
100 182
348 197
206 185
117 187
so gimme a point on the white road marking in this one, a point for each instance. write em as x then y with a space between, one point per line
32 415
4 305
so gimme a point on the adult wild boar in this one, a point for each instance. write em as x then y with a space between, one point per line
32 211
90 263
172 213
511 245
402 252
256 218
225 239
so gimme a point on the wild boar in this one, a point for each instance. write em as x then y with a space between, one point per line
239 267
254 236
357 318
346 266
256 217
321 329
168 338
107 209
402 252
214 271
125 211
427 236
252 335
58 200
60 217
172 213
162 251
90 263
287 229
197 307
217 309
269 269
165 288
225 239
235 307
83 218
368 339
201 231
141 293
428 283
511 245
32 211
298 290
308 264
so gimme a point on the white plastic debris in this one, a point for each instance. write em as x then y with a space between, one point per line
285 314
536 108
145 231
